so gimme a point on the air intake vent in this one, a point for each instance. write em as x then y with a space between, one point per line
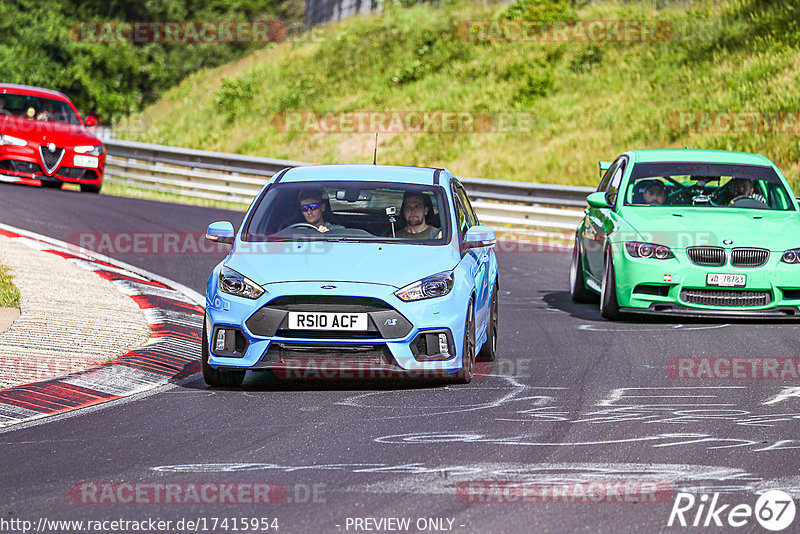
726 297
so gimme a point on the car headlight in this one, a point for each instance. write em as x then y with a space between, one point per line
648 250
791 256
92 150
237 284
432 286
11 140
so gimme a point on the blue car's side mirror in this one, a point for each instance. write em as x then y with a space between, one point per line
220 232
479 236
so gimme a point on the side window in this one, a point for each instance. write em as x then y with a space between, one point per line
607 176
616 178
461 216
472 218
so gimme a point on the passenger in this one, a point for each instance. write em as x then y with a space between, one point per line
3 110
415 210
313 208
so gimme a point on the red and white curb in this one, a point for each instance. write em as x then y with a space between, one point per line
173 312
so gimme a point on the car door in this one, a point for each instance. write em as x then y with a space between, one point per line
598 220
478 258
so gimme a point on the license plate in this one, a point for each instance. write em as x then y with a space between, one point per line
327 321
85 161
726 280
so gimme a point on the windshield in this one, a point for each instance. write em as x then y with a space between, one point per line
707 185
37 108
349 211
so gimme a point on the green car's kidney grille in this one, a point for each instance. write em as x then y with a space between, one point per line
749 257
707 256
726 297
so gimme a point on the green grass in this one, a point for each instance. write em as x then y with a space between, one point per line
9 294
588 101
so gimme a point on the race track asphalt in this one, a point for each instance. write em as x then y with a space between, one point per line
572 399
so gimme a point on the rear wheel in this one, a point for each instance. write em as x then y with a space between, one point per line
489 349
464 375
609 307
89 188
214 377
577 283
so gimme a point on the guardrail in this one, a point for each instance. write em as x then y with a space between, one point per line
238 178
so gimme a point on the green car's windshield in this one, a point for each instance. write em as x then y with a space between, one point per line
707 185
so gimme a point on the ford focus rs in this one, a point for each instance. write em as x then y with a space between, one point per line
44 140
690 232
353 271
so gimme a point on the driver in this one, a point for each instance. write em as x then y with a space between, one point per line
650 192
414 211
313 207
744 188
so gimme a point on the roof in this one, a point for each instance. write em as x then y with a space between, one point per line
361 173
697 155
30 90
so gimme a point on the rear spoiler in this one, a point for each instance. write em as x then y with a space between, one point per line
604 166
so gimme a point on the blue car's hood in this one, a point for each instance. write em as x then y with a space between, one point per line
681 228
396 265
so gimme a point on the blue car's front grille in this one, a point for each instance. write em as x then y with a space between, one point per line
384 321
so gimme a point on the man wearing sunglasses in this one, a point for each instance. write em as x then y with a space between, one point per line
313 207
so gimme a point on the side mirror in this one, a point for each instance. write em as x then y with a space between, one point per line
220 232
598 200
604 166
479 236
90 121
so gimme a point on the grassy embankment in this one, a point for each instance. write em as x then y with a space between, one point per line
589 100
9 294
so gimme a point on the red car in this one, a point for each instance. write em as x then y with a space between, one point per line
44 140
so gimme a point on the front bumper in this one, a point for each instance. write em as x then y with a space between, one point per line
25 164
678 287
390 347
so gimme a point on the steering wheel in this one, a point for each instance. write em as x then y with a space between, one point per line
302 225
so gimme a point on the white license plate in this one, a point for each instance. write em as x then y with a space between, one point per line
85 161
327 321
726 280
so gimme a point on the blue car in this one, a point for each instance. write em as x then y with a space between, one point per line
353 271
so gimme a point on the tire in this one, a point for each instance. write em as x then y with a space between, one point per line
609 306
51 185
577 283
464 375
215 378
89 188
488 351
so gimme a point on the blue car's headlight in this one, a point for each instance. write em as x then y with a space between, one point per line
237 284
791 256
648 250
427 288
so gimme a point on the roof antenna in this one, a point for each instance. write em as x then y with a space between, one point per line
375 154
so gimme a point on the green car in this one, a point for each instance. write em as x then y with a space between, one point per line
689 232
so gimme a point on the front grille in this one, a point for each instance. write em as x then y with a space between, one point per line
329 303
289 353
726 297
76 173
707 256
749 257
51 159
20 166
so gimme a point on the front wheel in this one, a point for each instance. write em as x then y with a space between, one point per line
215 378
488 351
577 283
89 188
609 306
464 375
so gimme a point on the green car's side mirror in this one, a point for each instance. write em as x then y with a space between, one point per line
598 200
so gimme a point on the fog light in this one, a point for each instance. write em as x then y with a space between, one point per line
219 345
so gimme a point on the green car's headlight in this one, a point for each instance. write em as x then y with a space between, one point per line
427 288
648 250
791 256
234 283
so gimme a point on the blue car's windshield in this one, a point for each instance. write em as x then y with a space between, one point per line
349 211
707 185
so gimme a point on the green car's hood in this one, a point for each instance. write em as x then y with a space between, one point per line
680 228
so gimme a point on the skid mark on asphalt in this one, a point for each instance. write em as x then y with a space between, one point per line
660 328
